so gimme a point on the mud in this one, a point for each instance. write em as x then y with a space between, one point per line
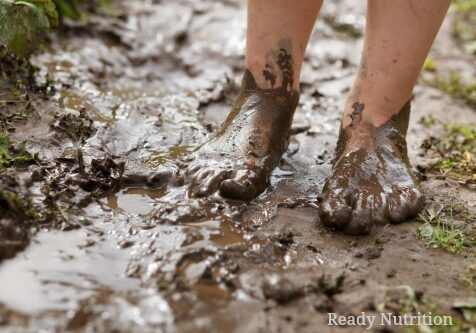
118 244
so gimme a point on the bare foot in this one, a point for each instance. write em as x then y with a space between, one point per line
239 159
371 181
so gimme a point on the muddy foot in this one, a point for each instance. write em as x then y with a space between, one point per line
371 181
239 159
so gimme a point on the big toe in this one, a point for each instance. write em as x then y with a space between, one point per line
334 212
246 185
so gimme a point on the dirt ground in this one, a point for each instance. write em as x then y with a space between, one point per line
122 247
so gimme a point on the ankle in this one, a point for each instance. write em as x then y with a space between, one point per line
375 111
281 73
254 67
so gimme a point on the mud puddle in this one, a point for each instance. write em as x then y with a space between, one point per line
116 255
60 269
149 258
135 200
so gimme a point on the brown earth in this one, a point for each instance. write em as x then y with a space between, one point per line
124 249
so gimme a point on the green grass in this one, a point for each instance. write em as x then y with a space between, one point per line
427 121
440 233
464 32
294 233
9 156
463 5
454 150
402 299
464 28
458 149
455 86
456 328
429 65
14 205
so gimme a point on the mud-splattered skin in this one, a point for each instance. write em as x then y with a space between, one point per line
371 181
238 160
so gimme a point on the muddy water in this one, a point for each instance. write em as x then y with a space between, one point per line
134 200
59 269
118 256
154 259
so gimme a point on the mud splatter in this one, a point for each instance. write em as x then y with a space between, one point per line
285 63
356 116
269 75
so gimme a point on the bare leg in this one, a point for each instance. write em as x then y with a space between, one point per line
239 159
398 37
371 182
275 25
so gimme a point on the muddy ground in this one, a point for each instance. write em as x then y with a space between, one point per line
99 235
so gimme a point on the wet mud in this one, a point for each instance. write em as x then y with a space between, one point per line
100 231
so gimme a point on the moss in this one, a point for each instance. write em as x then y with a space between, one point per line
25 23
24 26
48 8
